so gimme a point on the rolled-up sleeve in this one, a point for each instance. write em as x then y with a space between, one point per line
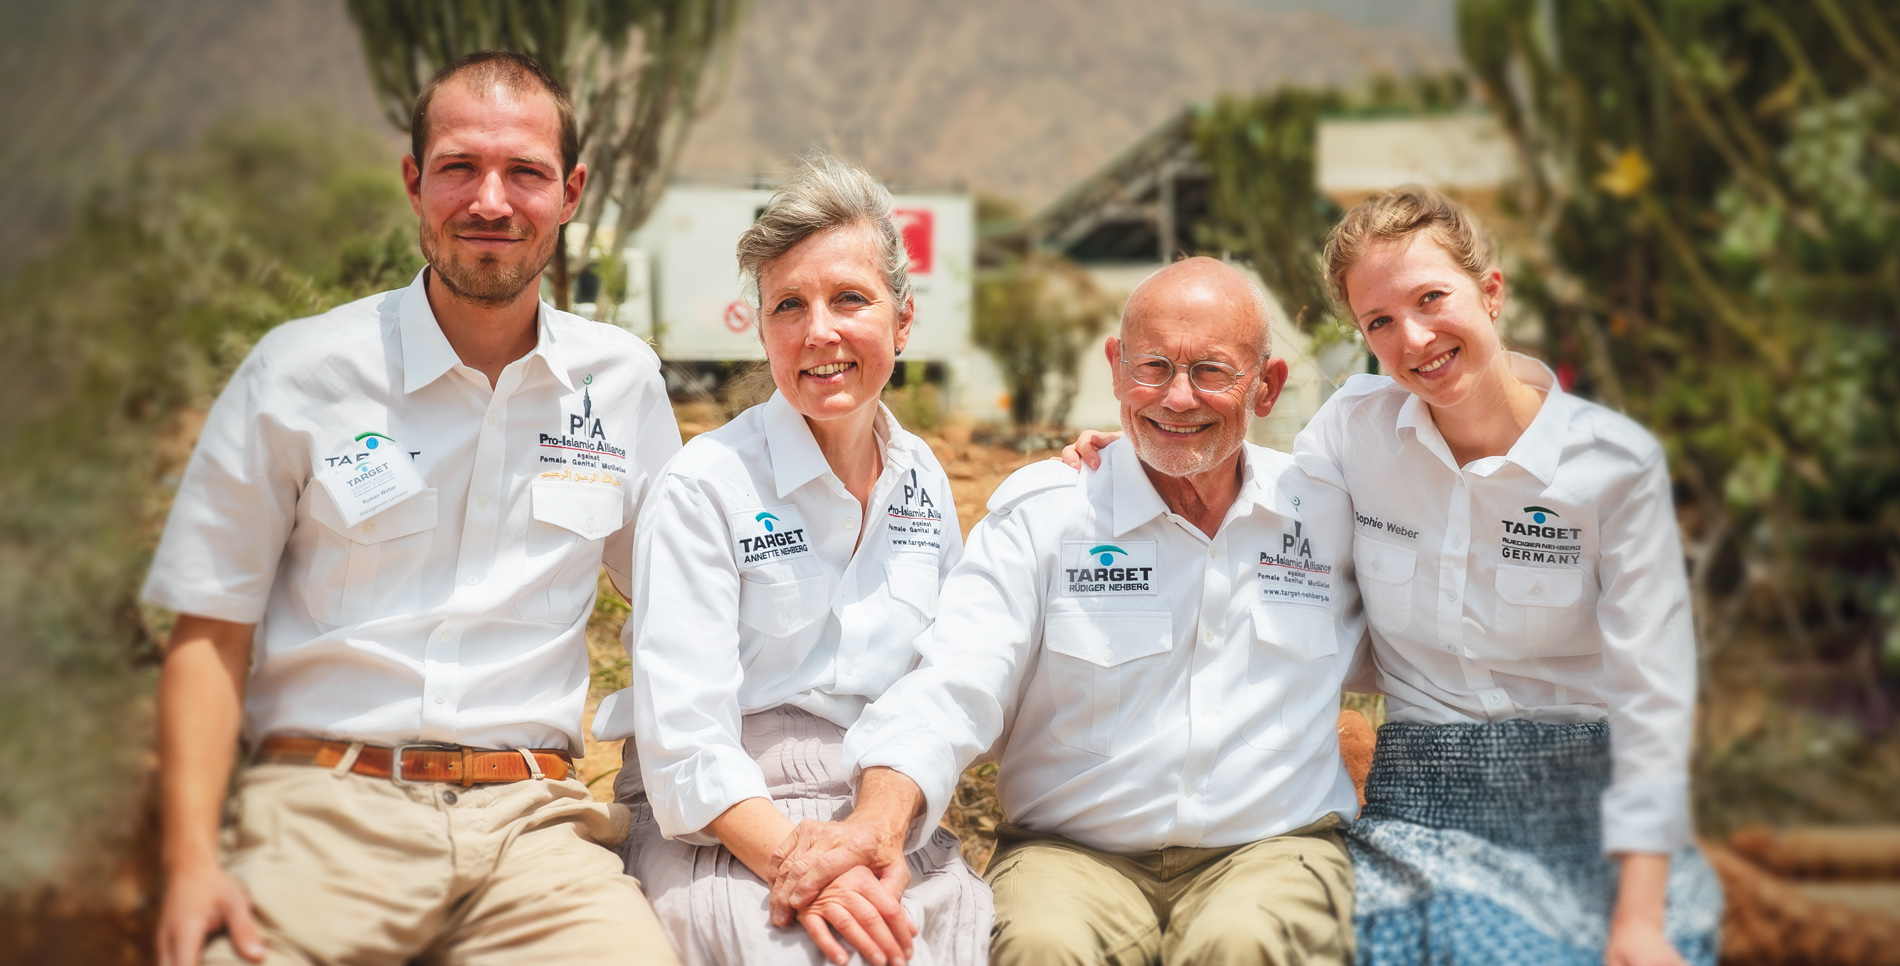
1649 666
683 638
938 718
234 510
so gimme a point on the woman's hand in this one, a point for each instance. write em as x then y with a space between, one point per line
869 917
817 854
1636 927
1639 944
1087 448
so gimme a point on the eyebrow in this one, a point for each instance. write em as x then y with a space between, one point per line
517 159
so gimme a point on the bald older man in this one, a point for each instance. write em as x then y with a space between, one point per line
1153 650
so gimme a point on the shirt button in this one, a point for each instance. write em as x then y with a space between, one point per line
784 622
1537 590
848 669
851 524
1212 553
1205 714
473 580
1108 654
1458 540
1210 637
1375 565
590 524
491 419
441 698
1491 699
1451 595
443 637
369 527
481 501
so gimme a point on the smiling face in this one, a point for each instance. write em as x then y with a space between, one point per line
1197 310
829 324
1431 325
490 191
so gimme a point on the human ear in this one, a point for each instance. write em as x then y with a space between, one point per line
1272 380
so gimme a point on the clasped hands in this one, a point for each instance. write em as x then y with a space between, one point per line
845 877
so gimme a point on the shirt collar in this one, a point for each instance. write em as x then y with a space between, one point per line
1136 501
796 458
1537 450
426 353
1542 445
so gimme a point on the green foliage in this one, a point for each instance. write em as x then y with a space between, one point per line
1264 198
635 70
114 341
1713 191
1036 316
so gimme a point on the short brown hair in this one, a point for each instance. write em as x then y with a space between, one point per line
1399 214
512 72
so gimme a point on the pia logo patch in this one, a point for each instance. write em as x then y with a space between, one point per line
1092 569
769 521
1540 514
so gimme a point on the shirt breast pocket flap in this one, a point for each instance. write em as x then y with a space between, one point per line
589 509
783 608
1302 631
1383 562
1528 587
1111 638
414 515
914 584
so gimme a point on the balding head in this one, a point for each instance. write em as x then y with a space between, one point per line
1194 312
1209 289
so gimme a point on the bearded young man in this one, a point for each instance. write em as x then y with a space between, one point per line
383 555
1153 651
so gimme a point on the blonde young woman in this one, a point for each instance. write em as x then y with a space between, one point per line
786 562
1516 549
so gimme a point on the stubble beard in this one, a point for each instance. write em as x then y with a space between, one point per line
484 279
1172 456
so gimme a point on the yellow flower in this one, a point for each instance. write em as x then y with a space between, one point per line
1627 175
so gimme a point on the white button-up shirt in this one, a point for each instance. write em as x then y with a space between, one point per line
458 613
1546 584
765 583
1143 685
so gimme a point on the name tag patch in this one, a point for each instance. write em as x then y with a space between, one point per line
1289 573
1120 568
768 533
914 525
378 477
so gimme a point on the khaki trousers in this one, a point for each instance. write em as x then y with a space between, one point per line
1284 900
343 868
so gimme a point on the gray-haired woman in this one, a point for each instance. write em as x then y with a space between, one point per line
786 561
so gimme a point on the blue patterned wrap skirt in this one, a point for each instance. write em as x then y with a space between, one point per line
1482 844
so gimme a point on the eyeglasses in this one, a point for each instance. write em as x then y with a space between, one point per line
1155 371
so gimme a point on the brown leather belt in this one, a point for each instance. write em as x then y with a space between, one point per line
419 762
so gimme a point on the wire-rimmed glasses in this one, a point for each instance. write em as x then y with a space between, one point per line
1155 371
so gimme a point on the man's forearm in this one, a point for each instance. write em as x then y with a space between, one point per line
887 802
200 699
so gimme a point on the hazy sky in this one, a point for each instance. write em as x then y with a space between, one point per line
1433 17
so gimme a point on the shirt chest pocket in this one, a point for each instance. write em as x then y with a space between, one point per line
373 569
782 608
1098 667
1385 582
1539 613
563 547
1288 668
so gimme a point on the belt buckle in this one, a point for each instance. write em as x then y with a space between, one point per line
395 758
